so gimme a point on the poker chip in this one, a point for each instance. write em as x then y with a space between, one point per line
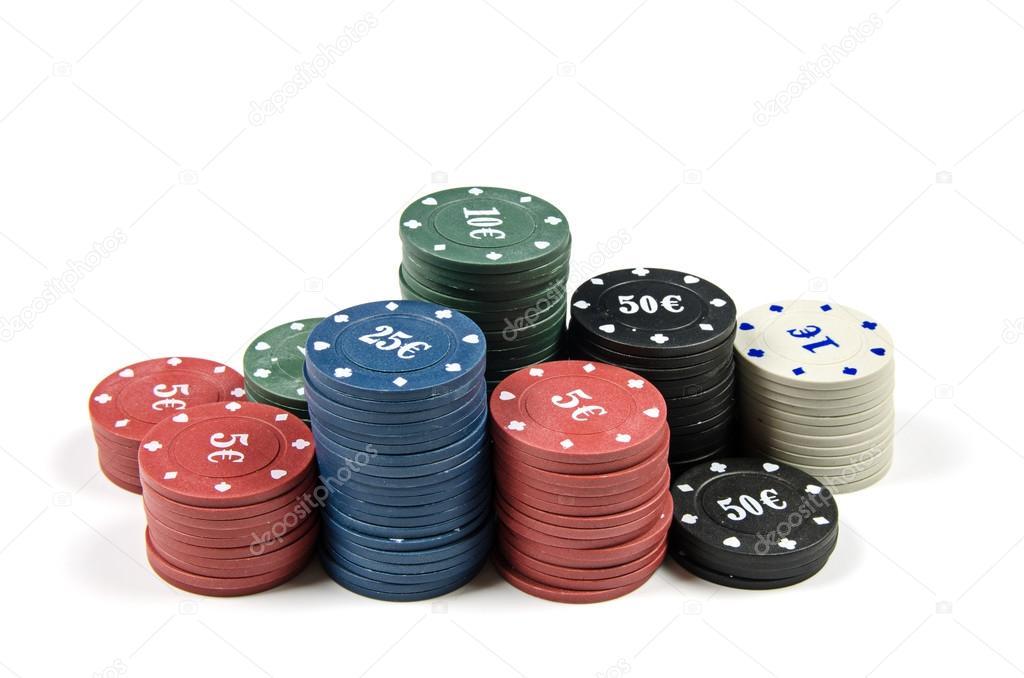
581 466
129 402
273 365
676 331
752 523
815 390
499 256
229 491
397 402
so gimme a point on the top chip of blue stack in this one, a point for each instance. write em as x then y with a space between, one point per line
395 351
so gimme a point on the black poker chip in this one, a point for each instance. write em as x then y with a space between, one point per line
752 522
675 330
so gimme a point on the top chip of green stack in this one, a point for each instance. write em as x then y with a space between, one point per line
274 360
496 229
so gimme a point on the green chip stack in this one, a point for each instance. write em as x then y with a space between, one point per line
272 367
499 256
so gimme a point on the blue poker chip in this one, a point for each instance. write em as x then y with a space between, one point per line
392 593
404 434
418 470
477 464
416 496
433 579
395 350
459 506
332 529
480 538
479 548
395 411
378 511
336 408
361 457
452 520
329 437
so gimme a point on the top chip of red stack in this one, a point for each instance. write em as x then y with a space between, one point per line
226 454
580 411
126 404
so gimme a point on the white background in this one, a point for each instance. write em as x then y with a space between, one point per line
134 118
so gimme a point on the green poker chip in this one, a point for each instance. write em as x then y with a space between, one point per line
273 362
498 229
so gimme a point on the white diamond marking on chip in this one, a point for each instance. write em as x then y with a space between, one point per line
400 381
391 306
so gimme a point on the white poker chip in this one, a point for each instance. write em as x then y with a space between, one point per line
813 344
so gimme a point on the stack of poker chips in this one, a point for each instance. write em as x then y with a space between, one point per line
816 390
272 366
751 523
499 256
582 496
128 403
230 496
397 400
676 330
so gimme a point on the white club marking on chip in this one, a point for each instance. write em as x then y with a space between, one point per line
623 437
341 318
174 362
566 444
731 542
635 383
233 406
718 303
718 467
525 198
321 345
552 221
475 191
400 381
691 279
181 418
685 487
770 467
342 372
607 329
103 398
471 339
222 487
412 224
596 281
126 373
121 423
429 201
220 369
787 543
153 446
278 473
452 367
391 306
541 244
582 305
820 520
297 326
238 392
506 395
301 443
688 519
707 327
443 314
300 391
170 475
652 412
493 256
659 338
589 367
261 373
640 271
283 416
813 489
440 248
536 372
516 425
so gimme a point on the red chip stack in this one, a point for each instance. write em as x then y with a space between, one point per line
582 477
128 403
230 492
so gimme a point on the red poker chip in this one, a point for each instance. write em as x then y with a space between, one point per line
278 521
227 454
120 481
641 573
242 567
129 402
303 492
581 543
642 478
528 564
608 556
641 473
256 537
633 527
166 541
588 522
514 452
576 505
577 409
221 586
562 595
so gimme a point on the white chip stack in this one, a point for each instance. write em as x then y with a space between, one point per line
815 388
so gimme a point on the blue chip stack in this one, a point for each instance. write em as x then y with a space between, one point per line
398 407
